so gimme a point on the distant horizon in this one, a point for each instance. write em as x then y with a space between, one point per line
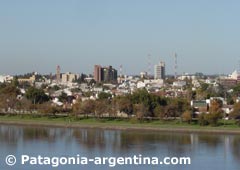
152 74
76 34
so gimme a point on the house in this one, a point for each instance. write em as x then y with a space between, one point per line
30 80
5 78
227 109
179 84
141 84
200 106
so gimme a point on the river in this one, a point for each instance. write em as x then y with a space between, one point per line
207 151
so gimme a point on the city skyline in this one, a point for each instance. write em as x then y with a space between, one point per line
38 36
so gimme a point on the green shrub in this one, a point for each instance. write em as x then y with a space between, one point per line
202 119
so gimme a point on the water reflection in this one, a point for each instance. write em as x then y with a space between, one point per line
212 141
97 142
236 147
90 138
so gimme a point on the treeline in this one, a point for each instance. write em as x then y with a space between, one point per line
139 105
13 100
145 106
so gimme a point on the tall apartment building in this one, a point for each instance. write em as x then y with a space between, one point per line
159 71
105 74
98 73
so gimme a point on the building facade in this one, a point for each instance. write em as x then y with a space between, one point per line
5 78
105 74
69 77
98 73
29 80
159 71
58 74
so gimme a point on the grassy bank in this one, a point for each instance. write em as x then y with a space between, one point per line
227 126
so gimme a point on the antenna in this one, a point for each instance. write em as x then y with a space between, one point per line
149 66
50 77
175 65
58 76
120 72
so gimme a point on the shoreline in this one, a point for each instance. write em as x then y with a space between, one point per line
210 130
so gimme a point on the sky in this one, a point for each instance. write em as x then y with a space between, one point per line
76 34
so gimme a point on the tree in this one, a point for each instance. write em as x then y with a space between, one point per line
125 105
235 114
56 88
204 86
150 101
171 110
159 112
202 119
141 96
37 96
140 111
63 97
212 118
49 109
236 111
85 108
24 105
9 89
8 96
15 82
8 101
201 92
104 95
215 112
113 109
236 90
101 107
215 106
187 116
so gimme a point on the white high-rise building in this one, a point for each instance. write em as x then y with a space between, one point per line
159 71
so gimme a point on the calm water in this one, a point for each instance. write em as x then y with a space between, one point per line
220 152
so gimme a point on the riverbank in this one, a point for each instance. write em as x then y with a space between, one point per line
160 126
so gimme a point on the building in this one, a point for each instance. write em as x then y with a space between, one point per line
228 83
105 74
109 74
179 83
200 106
30 80
231 80
143 75
98 73
69 77
58 74
159 71
235 75
5 78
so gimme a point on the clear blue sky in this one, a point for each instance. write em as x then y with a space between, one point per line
37 35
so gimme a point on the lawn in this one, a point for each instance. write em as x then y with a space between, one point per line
120 123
